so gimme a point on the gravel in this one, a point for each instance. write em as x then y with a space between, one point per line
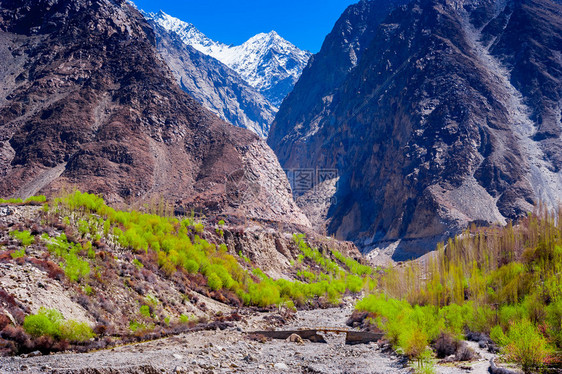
232 351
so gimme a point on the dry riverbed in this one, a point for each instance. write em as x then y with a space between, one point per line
233 351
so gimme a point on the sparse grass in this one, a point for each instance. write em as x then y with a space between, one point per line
24 237
18 254
179 246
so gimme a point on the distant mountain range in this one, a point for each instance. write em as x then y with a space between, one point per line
266 62
215 85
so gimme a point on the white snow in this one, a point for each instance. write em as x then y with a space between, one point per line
262 61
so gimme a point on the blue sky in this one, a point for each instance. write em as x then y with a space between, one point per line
304 23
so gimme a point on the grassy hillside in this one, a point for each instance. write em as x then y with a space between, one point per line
138 275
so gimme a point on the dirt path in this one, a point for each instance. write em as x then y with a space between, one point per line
480 366
228 351
232 351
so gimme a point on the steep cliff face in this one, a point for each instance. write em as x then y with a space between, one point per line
451 116
300 115
213 84
87 102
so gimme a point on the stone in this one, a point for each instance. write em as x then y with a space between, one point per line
421 147
294 338
281 366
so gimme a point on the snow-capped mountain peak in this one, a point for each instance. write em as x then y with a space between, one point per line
266 61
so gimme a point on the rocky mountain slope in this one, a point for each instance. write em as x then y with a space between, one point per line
450 115
213 84
267 62
86 101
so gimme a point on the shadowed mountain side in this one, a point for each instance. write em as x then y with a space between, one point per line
440 124
87 102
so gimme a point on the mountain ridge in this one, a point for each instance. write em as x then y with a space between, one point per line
213 84
438 124
266 61
88 103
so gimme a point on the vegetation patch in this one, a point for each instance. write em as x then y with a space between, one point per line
503 282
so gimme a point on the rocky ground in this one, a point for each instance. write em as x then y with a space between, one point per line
233 350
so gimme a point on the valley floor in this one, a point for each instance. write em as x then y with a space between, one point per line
232 351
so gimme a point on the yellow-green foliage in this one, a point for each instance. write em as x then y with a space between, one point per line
19 253
503 281
145 311
353 266
314 254
178 245
38 199
526 345
50 322
24 237
75 267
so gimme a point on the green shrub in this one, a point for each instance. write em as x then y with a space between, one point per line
526 346
136 326
18 254
50 322
37 199
214 282
11 201
414 342
145 311
88 290
24 237
184 318
74 331
191 266
41 324
497 335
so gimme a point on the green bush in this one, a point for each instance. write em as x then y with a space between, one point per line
45 322
11 201
191 266
50 322
526 346
145 311
214 282
37 199
74 331
24 237
497 335
18 254
414 342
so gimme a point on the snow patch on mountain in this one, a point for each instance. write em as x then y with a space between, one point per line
266 61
